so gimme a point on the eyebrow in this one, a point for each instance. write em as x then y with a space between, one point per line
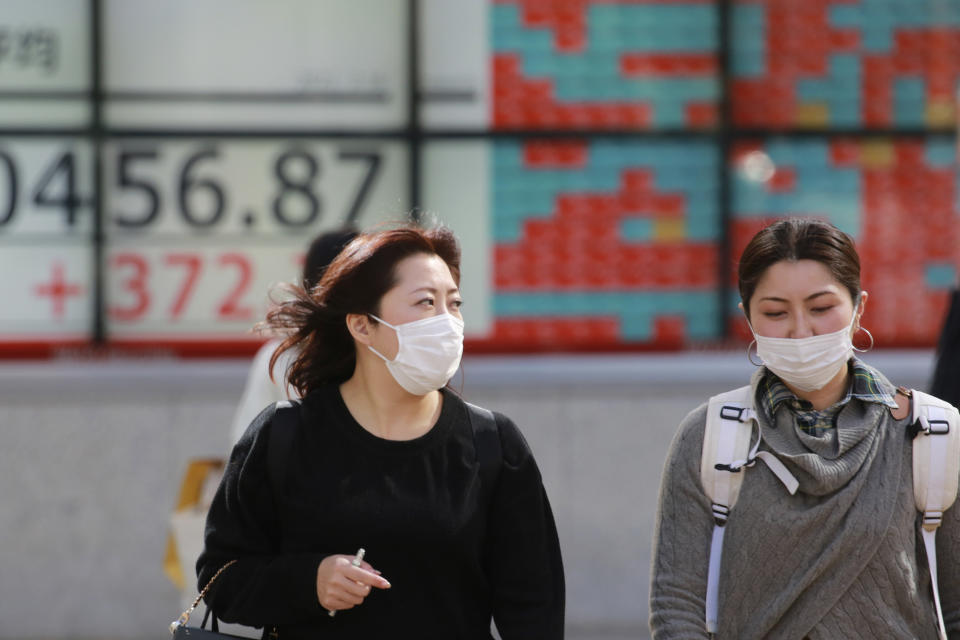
434 291
807 299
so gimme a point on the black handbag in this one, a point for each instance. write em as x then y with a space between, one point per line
181 631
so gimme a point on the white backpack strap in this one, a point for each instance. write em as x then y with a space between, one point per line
726 453
936 469
726 448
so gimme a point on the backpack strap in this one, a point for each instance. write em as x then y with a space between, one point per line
936 468
486 440
726 452
726 446
284 425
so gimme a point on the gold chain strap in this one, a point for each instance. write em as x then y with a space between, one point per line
185 616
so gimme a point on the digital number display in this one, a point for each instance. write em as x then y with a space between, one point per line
199 231
173 291
46 224
248 187
170 196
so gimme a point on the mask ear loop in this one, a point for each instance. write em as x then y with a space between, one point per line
752 342
870 335
399 339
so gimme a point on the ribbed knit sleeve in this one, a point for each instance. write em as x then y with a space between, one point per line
263 587
681 542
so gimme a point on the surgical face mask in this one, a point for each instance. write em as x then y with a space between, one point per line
810 363
429 352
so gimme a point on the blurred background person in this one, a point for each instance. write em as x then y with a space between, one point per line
265 386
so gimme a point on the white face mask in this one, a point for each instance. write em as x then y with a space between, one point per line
810 363
428 354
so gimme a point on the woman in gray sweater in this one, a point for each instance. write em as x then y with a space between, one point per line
842 557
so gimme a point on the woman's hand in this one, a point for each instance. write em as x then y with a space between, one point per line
340 585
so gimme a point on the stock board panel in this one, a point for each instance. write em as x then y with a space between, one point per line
163 167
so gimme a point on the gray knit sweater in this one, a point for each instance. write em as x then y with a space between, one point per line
841 559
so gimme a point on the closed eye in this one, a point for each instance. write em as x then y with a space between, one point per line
822 309
774 314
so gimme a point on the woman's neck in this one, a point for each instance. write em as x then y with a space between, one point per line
385 409
828 395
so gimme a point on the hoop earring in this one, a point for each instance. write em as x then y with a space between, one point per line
756 364
870 335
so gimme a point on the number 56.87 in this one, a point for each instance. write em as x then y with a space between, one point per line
203 199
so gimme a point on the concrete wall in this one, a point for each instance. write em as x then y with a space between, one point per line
92 454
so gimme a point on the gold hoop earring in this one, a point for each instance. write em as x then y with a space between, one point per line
870 335
756 364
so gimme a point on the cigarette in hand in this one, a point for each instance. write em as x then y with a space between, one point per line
357 561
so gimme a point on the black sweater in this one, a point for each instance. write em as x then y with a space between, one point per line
453 555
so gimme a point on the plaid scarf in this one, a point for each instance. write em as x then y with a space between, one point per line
864 386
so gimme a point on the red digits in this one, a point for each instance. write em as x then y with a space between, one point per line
230 308
193 263
136 285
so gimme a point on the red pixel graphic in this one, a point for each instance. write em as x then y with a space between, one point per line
581 246
799 43
521 102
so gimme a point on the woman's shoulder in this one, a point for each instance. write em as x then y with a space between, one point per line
512 439
513 444
260 422
256 431
691 429
695 420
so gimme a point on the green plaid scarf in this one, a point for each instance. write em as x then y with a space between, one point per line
864 386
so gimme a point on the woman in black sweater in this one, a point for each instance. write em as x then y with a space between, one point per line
445 498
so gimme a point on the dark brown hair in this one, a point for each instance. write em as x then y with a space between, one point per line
321 253
315 321
799 239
